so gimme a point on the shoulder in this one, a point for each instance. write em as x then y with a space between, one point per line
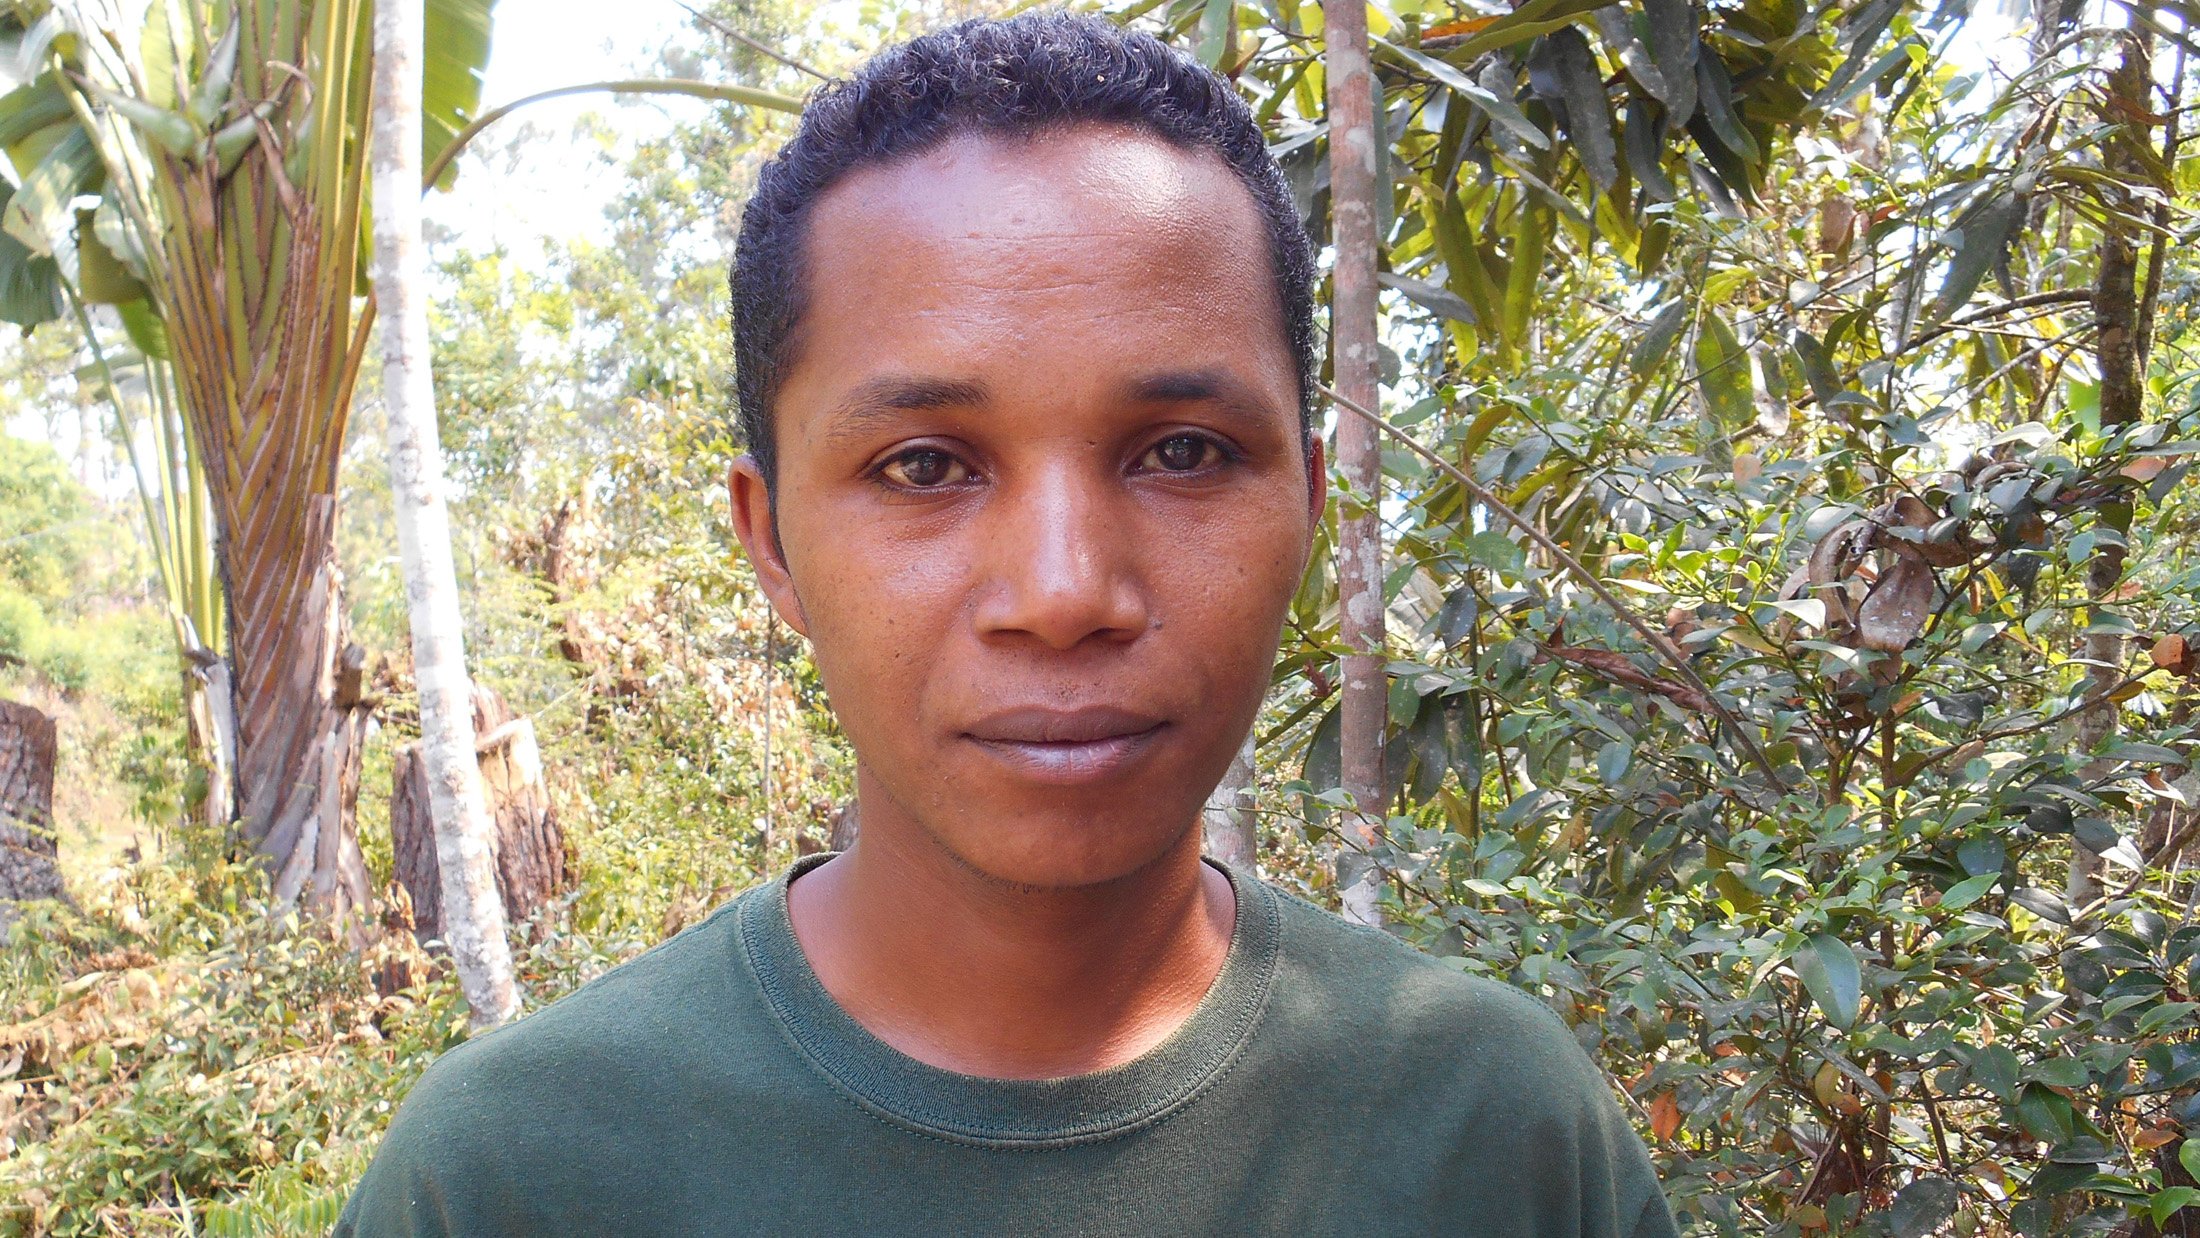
1422 1023
1368 978
506 1108
1455 1057
629 1015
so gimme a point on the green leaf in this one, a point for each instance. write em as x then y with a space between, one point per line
1715 108
2045 1113
145 328
1525 22
1829 970
1588 110
114 231
1968 891
2188 1155
1467 276
42 214
1982 855
2061 1072
1497 552
1501 112
1214 32
213 88
1657 339
456 36
1922 1207
30 284
33 106
1723 374
1987 231
1995 1069
1323 768
1674 39
2167 1204
167 130
1613 760
1442 302
1644 139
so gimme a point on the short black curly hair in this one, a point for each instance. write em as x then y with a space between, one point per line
1014 77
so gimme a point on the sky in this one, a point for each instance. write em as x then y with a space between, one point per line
558 188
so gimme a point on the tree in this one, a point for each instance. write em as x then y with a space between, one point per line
1352 334
27 839
227 144
472 920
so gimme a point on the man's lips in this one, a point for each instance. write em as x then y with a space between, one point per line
1089 744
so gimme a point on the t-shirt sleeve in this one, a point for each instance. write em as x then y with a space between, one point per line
1553 1126
438 1170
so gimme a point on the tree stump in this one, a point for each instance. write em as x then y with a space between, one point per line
29 845
529 844
841 835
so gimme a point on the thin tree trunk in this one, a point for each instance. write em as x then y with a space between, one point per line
1365 706
1231 827
29 848
473 917
2117 314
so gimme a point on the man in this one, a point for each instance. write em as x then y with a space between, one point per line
1023 322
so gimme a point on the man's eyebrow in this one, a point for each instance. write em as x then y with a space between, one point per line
882 401
1216 387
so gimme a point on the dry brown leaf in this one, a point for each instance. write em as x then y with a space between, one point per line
2155 1137
2145 468
2172 654
1898 607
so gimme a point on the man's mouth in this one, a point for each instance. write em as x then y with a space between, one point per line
1090 744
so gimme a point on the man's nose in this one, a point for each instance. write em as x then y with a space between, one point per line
1062 568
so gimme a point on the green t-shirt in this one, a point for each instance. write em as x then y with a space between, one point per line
1332 1081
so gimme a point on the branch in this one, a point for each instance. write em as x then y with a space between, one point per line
1922 338
753 45
723 93
1657 640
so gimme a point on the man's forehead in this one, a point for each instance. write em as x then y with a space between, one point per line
1064 185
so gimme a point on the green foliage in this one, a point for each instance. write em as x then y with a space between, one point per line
1809 380
177 1041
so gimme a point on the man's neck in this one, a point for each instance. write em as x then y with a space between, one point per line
970 974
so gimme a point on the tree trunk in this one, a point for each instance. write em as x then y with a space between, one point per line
1352 330
29 847
472 918
1231 827
2117 314
298 738
209 730
841 833
528 846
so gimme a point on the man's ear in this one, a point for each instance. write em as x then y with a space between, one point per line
758 530
1317 480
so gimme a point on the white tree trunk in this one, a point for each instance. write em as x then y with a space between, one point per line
1232 830
473 916
1352 310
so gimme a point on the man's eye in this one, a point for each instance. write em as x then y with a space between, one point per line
1182 453
924 470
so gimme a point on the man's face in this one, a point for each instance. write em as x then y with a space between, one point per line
1042 494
